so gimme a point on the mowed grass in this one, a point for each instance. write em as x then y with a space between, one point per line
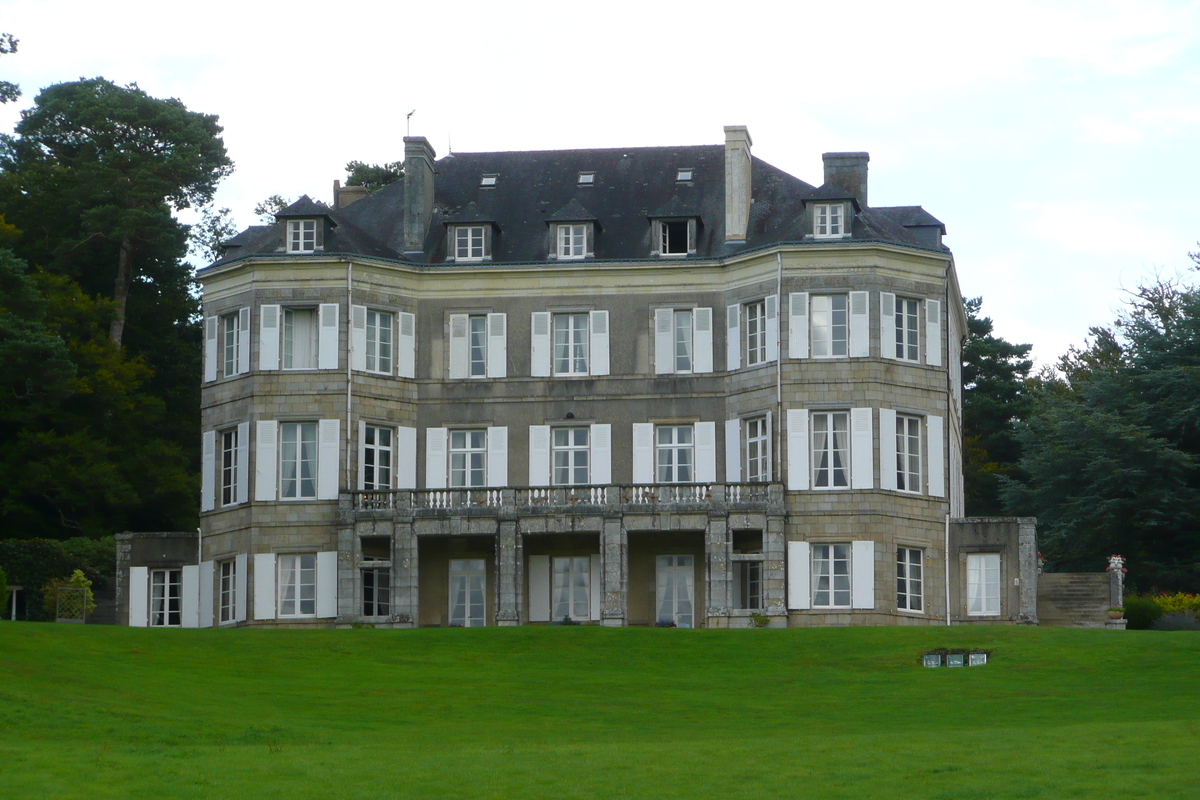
588 712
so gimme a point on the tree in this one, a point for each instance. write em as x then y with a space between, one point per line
9 92
267 209
122 162
373 176
995 397
205 237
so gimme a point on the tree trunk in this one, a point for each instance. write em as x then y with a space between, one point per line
121 290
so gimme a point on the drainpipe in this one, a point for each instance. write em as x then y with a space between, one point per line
947 554
349 361
199 546
778 474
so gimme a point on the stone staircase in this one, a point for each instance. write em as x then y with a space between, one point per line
1073 599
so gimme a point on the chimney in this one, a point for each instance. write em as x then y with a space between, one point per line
737 182
345 195
848 171
418 191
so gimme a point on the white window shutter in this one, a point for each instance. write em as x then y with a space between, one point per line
937 456
933 333
190 596
264 586
599 343
406 458
733 451
862 575
664 341
539 588
539 344
862 449
643 452
539 455
139 596
210 349
327 584
497 456
406 345
328 449
243 341
706 452
887 449
358 337
208 470
797 449
887 325
268 337
733 338
798 325
243 460
860 324
799 567
206 594
239 587
435 458
266 459
702 341
601 447
460 345
362 454
497 345
772 304
327 344
594 588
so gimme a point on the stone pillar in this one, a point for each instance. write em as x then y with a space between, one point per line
1116 581
614 578
508 573
775 568
1027 566
720 583
405 575
349 597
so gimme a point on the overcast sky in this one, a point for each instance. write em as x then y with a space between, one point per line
1057 141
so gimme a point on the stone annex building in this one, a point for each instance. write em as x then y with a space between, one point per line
631 386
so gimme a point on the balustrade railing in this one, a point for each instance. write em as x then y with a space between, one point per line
562 496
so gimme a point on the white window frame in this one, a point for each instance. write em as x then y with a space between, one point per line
467 568
227 591
575 456
827 448
570 240
231 344
229 467
684 174
824 315
578 341
297 461
467 240
829 221
683 340
381 584
576 567
287 324
462 448
749 585
166 607
908 463
488 181
910 580
477 324
586 178
757 436
669 456
828 555
907 346
755 313
302 235
663 233
298 571
980 601
378 457
381 344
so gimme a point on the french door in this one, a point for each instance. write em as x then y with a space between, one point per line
468 593
676 590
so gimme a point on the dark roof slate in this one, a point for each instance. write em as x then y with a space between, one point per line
304 207
572 212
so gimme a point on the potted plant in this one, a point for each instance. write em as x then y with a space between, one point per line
1116 612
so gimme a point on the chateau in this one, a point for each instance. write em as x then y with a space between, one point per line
632 386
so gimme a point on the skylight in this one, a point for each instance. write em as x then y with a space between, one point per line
587 178
684 174
488 181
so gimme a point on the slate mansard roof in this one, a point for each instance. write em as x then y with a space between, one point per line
631 186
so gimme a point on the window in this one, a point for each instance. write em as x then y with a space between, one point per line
758 466
682 334
379 341
297 460
468 243
570 344
683 174
468 587
748 578
831 449
488 181
675 454
909 595
570 448
830 331
377 458
828 221
673 235
683 340
572 240
587 178
756 332
166 593
906 329
477 354
908 453
983 584
377 589
231 344
299 338
468 459
227 595
302 235
831 575
229 468
572 577
298 585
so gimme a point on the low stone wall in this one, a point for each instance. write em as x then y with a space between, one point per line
1075 599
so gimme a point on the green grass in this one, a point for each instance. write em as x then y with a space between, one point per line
587 712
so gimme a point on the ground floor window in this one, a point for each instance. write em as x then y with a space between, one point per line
909 580
227 596
831 575
377 591
298 585
166 593
468 593
675 586
748 584
572 577
983 584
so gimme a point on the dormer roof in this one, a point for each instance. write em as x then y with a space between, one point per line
304 207
572 212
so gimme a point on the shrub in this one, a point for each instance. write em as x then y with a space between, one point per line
1177 603
1177 621
77 581
759 620
3 592
1141 613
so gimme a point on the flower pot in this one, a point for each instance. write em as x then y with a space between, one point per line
1116 614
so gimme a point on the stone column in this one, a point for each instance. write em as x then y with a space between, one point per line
1116 581
1027 562
775 558
348 589
716 552
614 560
405 574
508 573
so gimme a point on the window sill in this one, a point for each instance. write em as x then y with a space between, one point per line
910 611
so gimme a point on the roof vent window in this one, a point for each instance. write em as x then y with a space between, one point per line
684 175
587 178
488 181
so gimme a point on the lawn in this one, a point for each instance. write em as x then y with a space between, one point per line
587 712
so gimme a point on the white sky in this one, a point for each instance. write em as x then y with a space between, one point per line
1056 140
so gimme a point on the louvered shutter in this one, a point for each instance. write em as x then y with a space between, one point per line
594 588
210 349
497 456
643 452
327 345
266 459
206 594
862 449
327 605
937 456
733 338
539 455
239 587
706 452
328 449
770 446
190 597
264 586
358 337
435 458
797 449
268 337
208 468
601 451
139 597
497 345
243 341
539 344
862 575
406 345
860 325
798 325
362 454
539 588
406 458
599 343
460 344
799 567
702 341
664 341
887 325
772 305
733 451
243 462
933 333
887 449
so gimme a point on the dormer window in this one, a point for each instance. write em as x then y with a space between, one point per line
470 242
302 235
571 240
674 237
587 178
683 174
829 221
488 181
